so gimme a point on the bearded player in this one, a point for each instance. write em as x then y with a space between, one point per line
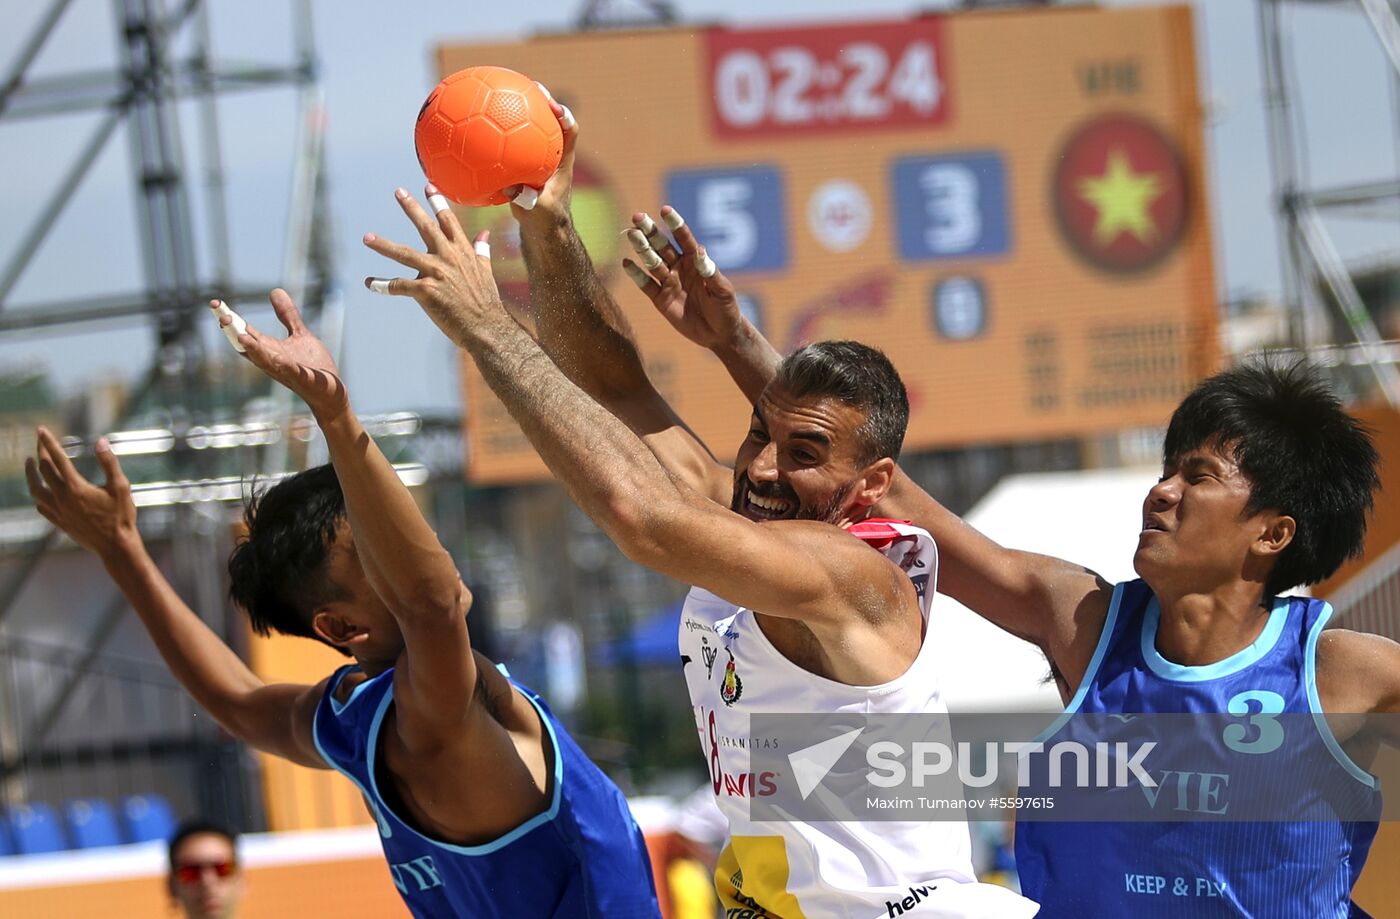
788 591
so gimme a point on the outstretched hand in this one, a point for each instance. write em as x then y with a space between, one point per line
454 285
100 519
299 362
685 287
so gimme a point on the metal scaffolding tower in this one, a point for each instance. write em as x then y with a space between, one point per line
1317 282
168 66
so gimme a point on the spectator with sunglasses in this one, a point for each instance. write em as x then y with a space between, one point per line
205 879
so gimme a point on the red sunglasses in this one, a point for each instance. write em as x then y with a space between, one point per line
191 873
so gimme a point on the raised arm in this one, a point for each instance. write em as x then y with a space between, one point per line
691 292
274 718
584 332
825 575
407 567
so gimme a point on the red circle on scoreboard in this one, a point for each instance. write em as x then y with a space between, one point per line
1120 193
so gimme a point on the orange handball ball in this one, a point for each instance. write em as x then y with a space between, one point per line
486 128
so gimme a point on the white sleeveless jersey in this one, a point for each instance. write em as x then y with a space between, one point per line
823 869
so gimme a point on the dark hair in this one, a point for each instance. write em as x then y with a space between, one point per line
200 827
1302 453
859 376
277 572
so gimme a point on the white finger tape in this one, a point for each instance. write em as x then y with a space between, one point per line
638 276
650 260
379 285
646 225
673 219
704 265
234 329
438 203
527 199
567 119
636 240
482 247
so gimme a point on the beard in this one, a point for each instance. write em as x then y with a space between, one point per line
830 510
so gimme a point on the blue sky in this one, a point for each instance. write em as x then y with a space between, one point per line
376 61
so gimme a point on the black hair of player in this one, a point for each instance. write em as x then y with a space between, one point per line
278 572
1302 453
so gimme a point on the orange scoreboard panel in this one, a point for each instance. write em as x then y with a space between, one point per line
1010 204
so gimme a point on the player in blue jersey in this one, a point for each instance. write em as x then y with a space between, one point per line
485 805
1267 484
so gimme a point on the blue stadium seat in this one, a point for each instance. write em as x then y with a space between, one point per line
147 817
35 828
6 846
92 823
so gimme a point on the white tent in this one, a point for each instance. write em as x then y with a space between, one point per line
1091 518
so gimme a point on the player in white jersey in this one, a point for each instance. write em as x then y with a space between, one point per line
795 868
844 625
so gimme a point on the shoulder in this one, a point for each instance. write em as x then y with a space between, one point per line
1357 671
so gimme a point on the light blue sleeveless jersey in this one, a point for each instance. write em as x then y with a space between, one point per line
582 857
1205 864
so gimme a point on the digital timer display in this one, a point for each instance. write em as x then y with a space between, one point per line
791 81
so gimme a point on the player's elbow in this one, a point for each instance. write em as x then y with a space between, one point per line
434 601
637 525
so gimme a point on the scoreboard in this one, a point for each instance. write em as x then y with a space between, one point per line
1010 204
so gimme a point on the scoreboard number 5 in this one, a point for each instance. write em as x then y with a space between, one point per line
723 212
737 213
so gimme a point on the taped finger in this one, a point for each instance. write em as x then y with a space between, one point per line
655 237
704 265
672 218
638 276
642 246
438 203
527 198
234 329
482 248
379 285
567 120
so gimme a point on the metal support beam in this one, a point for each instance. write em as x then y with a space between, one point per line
51 209
14 80
1333 271
1354 195
1283 161
125 306
1382 18
78 92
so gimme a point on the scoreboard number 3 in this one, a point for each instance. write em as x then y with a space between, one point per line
950 206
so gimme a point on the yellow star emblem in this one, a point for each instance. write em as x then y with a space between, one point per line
1122 198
